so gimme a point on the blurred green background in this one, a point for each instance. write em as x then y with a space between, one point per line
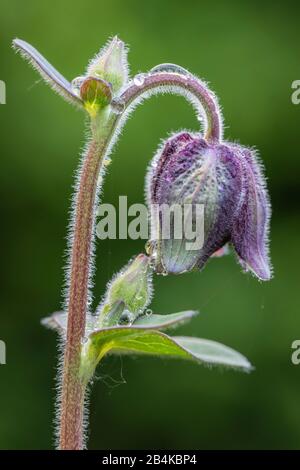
249 52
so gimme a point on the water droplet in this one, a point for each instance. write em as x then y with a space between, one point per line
151 248
107 161
148 312
76 84
100 180
84 340
153 260
126 318
117 106
148 247
168 67
139 79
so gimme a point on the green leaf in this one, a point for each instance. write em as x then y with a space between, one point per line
58 321
143 341
55 79
212 352
143 337
157 322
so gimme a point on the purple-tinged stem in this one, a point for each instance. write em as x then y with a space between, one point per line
187 85
73 388
71 420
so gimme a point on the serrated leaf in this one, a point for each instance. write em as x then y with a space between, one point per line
143 341
157 322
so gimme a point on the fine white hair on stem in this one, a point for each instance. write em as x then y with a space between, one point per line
58 404
52 77
194 90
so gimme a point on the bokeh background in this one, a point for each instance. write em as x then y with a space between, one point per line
249 52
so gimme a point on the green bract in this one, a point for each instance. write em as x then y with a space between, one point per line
111 64
128 294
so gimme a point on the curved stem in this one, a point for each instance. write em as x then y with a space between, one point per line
187 85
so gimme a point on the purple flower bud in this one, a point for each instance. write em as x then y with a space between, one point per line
226 180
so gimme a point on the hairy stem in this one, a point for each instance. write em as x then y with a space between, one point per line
193 89
73 389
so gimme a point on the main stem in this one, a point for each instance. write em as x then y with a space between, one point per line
73 388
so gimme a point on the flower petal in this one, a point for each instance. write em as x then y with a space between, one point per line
251 225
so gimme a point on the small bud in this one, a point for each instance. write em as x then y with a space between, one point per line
111 64
227 181
95 94
128 294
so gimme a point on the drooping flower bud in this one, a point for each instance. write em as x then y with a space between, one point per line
111 64
226 180
128 294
